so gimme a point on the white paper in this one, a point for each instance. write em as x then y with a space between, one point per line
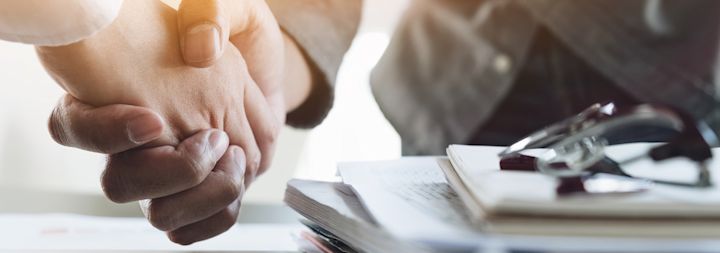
335 207
410 198
69 232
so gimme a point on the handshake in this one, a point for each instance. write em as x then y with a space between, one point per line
186 104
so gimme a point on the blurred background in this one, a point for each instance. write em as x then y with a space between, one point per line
38 175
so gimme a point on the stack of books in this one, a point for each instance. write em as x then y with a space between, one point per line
465 203
338 218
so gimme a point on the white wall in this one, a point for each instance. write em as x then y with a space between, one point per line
356 130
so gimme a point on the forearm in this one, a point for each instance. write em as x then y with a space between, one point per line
297 83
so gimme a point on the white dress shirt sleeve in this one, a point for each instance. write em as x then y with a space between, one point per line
54 22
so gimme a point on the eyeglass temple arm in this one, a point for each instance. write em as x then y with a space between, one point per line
698 151
694 142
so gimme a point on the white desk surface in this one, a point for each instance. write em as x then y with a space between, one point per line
74 222
72 233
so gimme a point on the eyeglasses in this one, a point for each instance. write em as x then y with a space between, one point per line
574 149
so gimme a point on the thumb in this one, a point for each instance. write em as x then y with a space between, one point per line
204 30
109 129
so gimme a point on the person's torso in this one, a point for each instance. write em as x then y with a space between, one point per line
454 65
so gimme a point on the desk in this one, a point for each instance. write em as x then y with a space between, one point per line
71 222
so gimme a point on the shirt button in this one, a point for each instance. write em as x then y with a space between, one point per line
502 64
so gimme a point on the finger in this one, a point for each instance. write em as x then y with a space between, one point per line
109 129
222 187
255 32
257 35
265 126
208 228
241 132
162 171
253 156
203 30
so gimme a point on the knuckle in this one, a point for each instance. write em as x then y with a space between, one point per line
270 134
112 188
159 217
252 166
227 218
192 171
231 191
253 161
268 140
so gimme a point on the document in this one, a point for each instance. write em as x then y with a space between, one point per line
68 232
425 176
531 193
410 198
335 208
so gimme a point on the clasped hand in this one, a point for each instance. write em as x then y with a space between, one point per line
184 140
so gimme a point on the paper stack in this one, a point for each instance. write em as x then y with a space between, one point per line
464 203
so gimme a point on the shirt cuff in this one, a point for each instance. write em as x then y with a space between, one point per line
324 29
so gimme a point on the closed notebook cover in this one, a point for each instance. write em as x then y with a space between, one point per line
492 192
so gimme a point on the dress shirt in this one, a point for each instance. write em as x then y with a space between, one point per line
451 64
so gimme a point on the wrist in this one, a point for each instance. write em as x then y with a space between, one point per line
297 81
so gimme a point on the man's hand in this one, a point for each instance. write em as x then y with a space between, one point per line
209 27
121 129
206 27
193 183
274 60
136 61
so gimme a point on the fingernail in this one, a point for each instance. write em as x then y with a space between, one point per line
144 128
202 43
218 141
